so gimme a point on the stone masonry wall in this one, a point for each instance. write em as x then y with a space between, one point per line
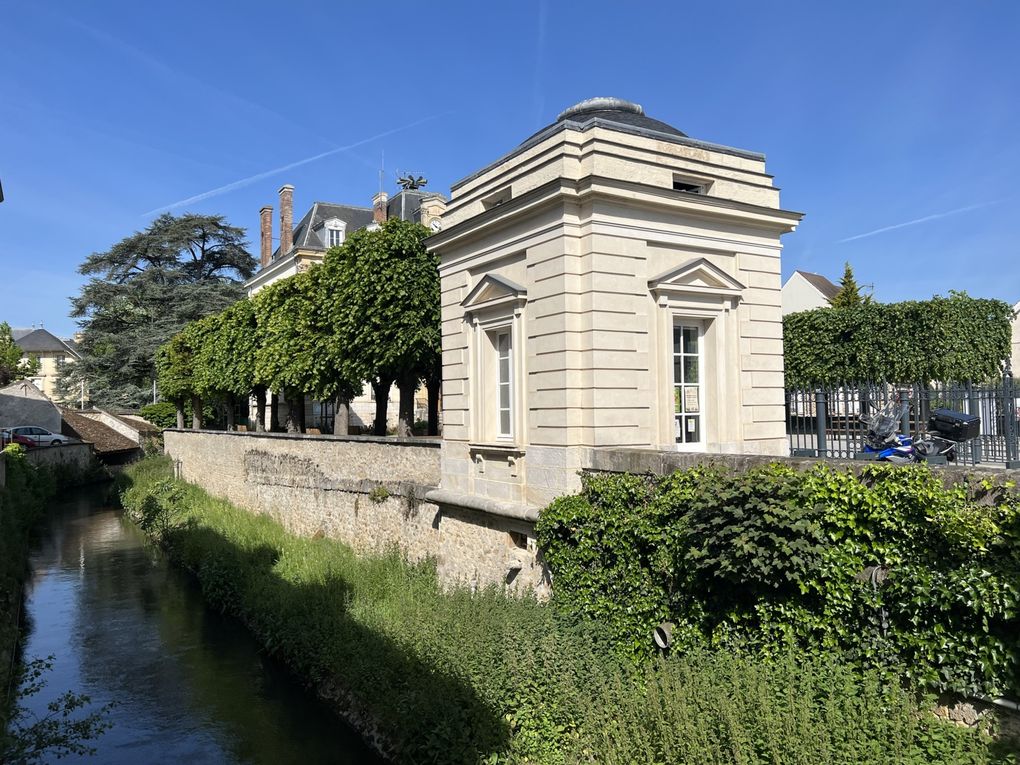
367 492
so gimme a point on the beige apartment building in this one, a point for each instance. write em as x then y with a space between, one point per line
611 282
52 354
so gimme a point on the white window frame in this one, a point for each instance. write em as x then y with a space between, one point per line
493 307
680 322
334 226
507 332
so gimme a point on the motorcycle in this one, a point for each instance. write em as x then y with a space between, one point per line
947 429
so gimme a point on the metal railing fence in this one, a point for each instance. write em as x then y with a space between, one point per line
827 422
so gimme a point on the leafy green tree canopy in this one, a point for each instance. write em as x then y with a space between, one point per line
143 290
385 305
12 365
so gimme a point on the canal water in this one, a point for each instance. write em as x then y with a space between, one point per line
188 684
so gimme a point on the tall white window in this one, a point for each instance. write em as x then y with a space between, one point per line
504 379
336 237
688 393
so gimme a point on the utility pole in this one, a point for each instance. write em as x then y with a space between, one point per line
154 390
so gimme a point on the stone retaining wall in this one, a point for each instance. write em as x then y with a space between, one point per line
365 491
74 458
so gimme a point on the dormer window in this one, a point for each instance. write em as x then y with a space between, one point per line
334 231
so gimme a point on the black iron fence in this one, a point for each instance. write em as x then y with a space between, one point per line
828 422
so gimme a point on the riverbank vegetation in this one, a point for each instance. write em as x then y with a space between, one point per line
68 725
461 677
21 502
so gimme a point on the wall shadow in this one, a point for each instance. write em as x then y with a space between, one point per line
423 713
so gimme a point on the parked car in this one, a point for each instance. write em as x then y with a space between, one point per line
30 435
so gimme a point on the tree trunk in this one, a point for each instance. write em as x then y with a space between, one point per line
300 399
405 421
434 387
274 412
231 418
260 410
381 388
341 417
196 413
295 409
179 405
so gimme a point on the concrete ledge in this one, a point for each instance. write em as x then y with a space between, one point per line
432 443
483 504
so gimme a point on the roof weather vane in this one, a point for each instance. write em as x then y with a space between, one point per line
410 182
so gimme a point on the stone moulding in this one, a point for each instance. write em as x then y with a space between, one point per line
483 504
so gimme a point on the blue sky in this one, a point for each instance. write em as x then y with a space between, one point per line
872 116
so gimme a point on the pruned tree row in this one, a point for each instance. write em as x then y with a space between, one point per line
369 313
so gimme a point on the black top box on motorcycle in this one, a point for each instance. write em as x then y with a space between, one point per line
955 426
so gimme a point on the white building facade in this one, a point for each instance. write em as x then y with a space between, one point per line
609 283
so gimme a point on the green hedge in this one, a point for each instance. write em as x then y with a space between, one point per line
772 557
461 677
954 339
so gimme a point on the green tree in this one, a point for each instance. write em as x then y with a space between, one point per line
385 309
12 365
225 362
849 295
179 373
287 354
143 290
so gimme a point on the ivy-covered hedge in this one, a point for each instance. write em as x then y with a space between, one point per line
954 339
772 557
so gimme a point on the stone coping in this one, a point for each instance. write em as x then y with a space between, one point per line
483 504
661 462
429 443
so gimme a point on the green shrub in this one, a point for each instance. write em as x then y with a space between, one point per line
717 708
162 414
774 557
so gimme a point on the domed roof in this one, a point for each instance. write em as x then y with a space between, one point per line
609 112
615 110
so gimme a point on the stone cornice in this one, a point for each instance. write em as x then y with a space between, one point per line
560 190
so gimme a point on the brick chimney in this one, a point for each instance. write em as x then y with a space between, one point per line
286 218
266 234
379 207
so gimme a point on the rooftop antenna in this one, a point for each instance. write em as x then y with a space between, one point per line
382 168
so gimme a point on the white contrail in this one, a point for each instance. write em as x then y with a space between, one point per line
258 177
925 219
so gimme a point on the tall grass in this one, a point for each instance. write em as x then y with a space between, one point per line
461 677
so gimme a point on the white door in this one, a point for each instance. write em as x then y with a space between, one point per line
688 385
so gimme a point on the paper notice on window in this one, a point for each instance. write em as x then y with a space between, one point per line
691 400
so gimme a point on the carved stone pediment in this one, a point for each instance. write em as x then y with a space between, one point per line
698 276
494 291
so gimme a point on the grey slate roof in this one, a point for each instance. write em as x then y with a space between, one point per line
18 333
820 283
611 112
41 340
308 231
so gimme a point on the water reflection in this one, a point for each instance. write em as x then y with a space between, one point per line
188 684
